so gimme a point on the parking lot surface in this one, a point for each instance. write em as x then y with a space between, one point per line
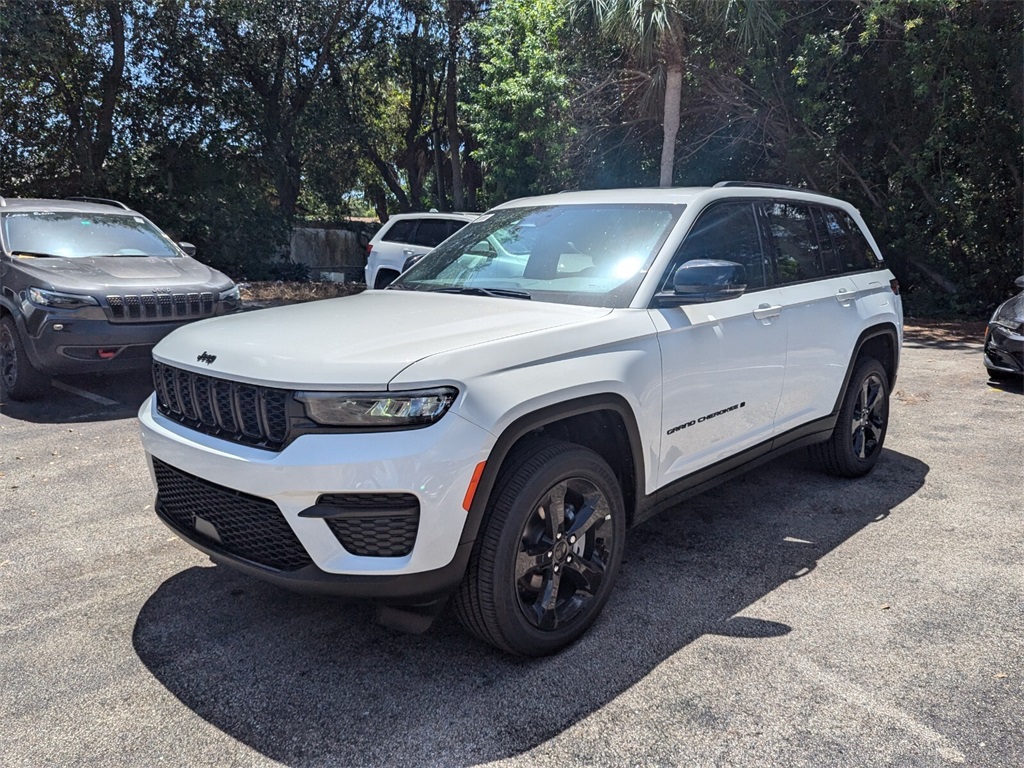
787 618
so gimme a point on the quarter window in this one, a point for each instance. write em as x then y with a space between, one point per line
851 246
400 231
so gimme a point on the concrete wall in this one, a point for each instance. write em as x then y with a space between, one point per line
331 250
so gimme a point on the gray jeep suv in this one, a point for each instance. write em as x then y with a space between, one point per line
89 285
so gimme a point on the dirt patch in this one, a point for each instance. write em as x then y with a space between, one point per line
275 294
919 329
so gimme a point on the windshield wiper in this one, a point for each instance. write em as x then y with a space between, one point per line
474 291
37 254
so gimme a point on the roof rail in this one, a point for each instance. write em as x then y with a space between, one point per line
760 185
100 200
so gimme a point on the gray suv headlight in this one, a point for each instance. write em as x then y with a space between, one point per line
43 298
378 409
231 294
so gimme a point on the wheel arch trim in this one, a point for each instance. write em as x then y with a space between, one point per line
534 420
882 330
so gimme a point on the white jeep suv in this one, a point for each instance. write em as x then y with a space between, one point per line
404 237
558 371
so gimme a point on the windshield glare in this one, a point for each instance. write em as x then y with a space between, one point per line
81 235
594 255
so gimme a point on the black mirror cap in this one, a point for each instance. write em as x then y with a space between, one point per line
188 248
701 280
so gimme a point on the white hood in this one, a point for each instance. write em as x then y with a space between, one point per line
355 342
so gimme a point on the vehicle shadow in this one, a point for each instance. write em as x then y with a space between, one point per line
99 397
1015 385
306 681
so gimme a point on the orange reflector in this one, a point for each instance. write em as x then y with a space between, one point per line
471 491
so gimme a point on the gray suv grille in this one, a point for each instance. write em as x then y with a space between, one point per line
160 306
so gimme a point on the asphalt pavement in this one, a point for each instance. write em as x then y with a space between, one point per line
784 619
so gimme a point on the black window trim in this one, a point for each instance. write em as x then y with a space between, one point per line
763 223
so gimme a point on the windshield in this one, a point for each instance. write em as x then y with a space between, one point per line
594 255
79 235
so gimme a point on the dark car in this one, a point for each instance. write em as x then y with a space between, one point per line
90 286
1004 338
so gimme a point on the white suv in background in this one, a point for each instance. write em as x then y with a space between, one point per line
404 236
489 427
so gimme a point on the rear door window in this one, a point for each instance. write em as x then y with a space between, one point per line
797 254
431 232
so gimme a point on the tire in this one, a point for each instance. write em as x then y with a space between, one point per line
555 521
857 439
19 379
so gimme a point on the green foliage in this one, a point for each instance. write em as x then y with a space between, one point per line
913 110
518 110
227 120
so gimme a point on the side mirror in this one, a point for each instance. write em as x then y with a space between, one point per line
1019 282
188 248
413 261
703 280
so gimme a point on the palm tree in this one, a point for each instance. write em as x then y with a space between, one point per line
655 32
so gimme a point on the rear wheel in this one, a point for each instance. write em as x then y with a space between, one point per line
860 431
548 551
19 380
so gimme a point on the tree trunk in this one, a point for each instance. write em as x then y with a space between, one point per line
111 84
673 97
451 106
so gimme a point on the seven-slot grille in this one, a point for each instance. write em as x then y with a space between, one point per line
231 521
243 413
160 306
374 524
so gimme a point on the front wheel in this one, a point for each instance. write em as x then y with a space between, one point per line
19 379
860 431
548 551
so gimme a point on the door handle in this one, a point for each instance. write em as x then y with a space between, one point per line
844 297
767 311
408 252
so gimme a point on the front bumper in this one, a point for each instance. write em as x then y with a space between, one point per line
1004 350
87 341
434 464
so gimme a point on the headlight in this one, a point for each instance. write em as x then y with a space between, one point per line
231 294
378 409
1010 323
44 298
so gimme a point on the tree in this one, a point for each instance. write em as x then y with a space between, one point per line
518 111
656 33
62 77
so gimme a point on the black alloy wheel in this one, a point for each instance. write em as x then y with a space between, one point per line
857 440
564 551
548 551
870 414
19 380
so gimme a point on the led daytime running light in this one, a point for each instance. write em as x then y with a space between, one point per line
377 409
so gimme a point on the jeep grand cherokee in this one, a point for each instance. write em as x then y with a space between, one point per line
490 426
